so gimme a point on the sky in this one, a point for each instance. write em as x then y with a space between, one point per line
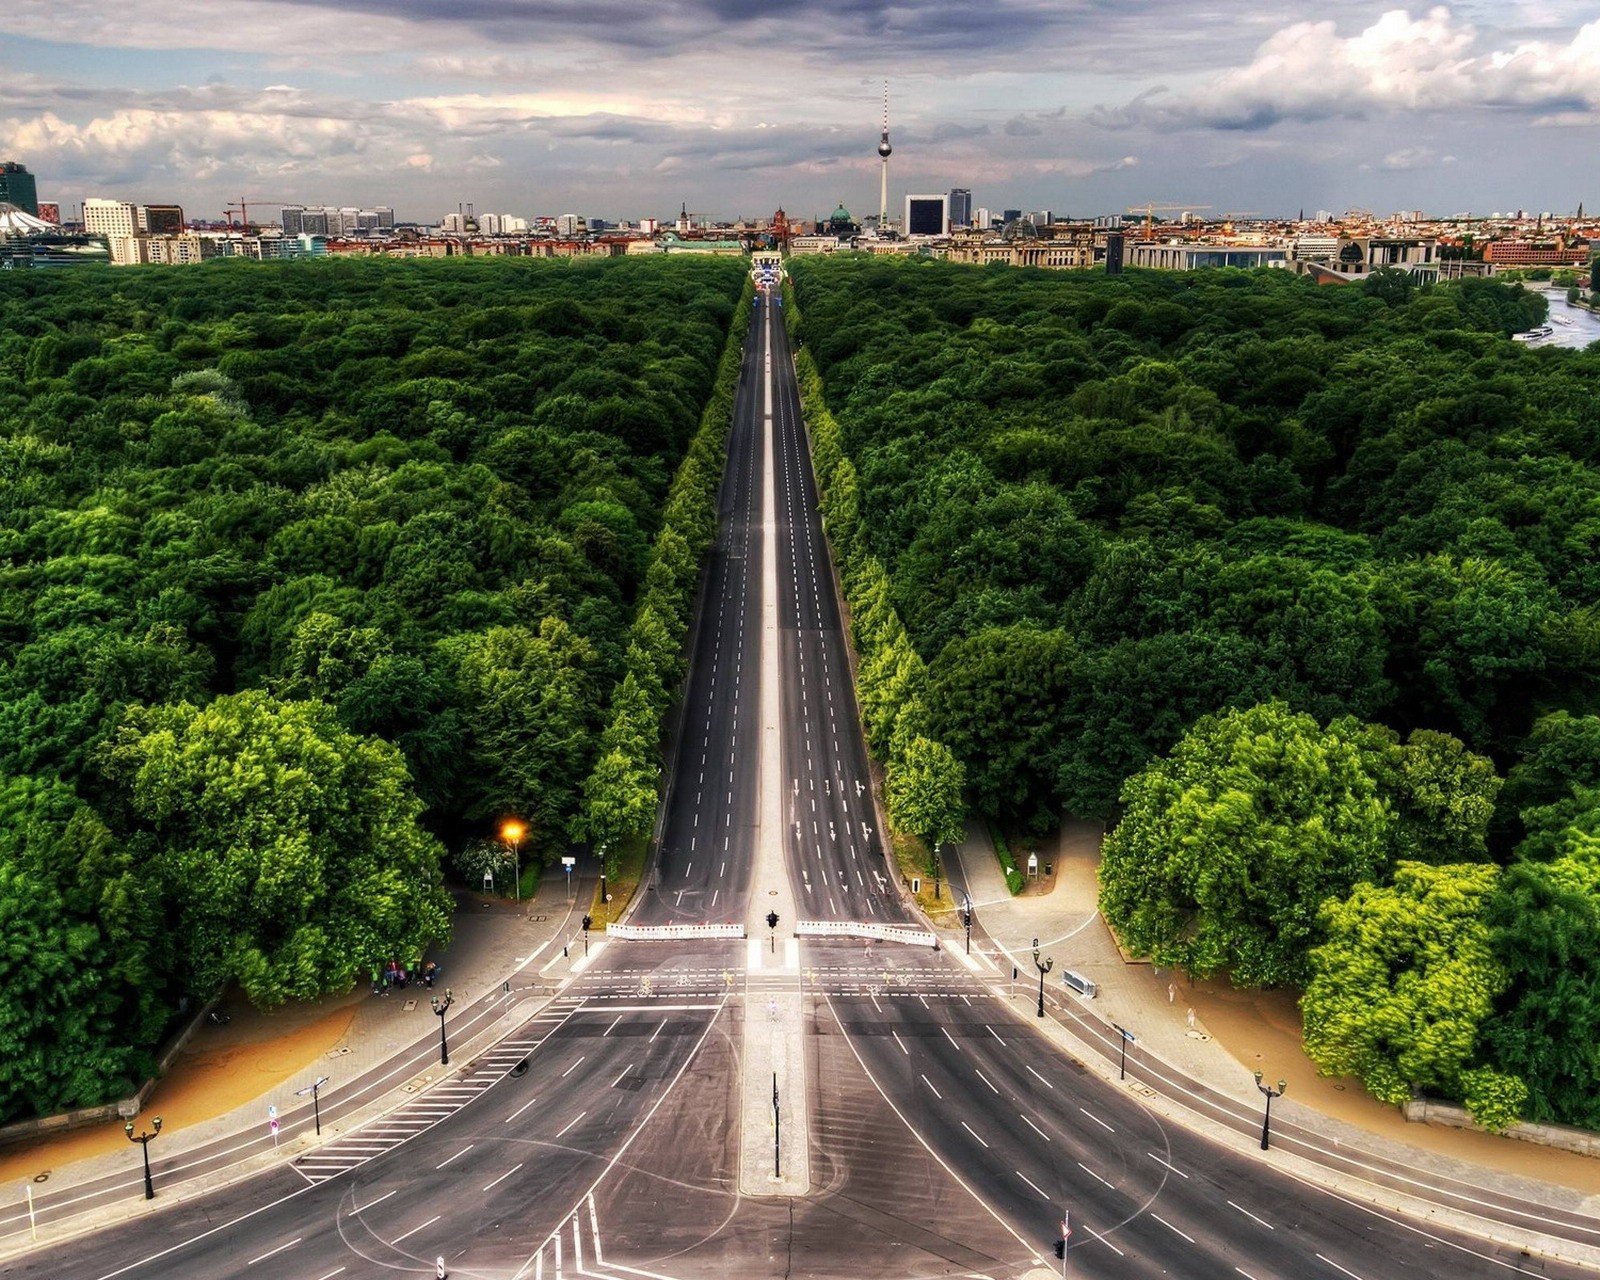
736 107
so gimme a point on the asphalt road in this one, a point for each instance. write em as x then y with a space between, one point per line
836 863
708 831
602 1138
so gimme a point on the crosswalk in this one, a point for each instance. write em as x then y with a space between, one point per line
884 978
432 1104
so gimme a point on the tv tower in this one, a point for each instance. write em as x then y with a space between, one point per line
884 150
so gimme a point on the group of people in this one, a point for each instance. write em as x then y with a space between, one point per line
394 974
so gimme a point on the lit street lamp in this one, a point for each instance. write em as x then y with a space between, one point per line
316 1111
439 1007
144 1139
512 832
1044 967
1270 1093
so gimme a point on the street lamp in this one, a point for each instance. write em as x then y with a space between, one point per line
439 1007
316 1111
1270 1093
1044 967
512 832
143 1139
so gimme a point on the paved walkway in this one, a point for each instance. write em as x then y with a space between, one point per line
496 945
1172 1021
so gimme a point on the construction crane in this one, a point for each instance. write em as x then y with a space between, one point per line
243 210
1152 207
1227 218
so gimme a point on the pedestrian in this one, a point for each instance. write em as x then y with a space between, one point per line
1172 992
430 971
1189 1018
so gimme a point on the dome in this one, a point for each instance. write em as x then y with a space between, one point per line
1019 229
840 215
884 149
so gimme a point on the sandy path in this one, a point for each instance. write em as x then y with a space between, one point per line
222 1069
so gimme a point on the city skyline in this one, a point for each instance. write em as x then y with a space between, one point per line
538 106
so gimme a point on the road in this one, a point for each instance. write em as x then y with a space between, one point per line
603 1136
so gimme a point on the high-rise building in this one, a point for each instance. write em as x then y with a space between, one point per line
1113 253
960 206
928 215
17 187
570 224
1010 215
161 219
110 218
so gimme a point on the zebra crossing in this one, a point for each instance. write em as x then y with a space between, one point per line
857 979
432 1104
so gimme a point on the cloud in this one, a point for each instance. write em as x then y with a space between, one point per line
1430 64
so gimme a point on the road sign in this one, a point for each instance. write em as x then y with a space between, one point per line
569 862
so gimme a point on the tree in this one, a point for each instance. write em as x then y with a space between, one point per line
289 848
1227 846
1544 931
1404 982
923 793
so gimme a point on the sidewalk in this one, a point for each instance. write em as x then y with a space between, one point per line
1234 1033
222 1086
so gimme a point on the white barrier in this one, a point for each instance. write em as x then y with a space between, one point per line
865 929
656 932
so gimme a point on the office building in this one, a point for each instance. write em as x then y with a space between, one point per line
927 215
17 187
326 220
111 219
1010 215
161 219
960 206
1113 253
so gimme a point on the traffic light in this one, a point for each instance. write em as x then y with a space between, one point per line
1061 1248
772 919
966 917
587 921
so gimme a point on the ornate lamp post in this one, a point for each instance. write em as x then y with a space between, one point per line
144 1140
1270 1093
1044 967
440 1007
512 831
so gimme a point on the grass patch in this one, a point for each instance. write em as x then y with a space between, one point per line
623 883
1008 864
911 857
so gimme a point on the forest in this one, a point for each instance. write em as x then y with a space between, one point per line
311 572
1296 587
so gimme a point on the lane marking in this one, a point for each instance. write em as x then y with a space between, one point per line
1173 1167
1190 1238
457 1155
1108 1243
1337 1267
1039 1077
972 1131
1252 1216
263 1257
569 1125
1032 1184
434 1219
930 1085
1094 1175
1097 1119
1035 1128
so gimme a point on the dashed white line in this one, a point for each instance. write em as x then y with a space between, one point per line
1097 1119
1252 1216
501 1178
263 1257
1337 1267
457 1155
1190 1238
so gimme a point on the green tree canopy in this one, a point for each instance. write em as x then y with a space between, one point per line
1228 846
